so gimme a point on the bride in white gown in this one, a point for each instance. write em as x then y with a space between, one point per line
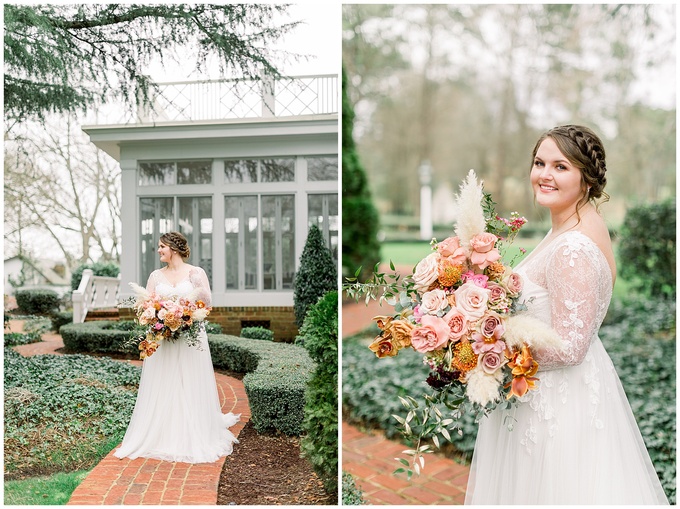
177 416
574 439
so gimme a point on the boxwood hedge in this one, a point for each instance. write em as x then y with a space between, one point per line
277 373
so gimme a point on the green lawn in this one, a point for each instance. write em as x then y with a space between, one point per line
53 490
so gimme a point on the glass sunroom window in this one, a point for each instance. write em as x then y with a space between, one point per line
278 242
241 227
191 216
322 210
244 171
322 168
172 173
156 218
195 222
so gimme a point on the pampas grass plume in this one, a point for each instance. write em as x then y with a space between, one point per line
523 328
468 209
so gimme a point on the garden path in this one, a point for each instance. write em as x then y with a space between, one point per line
370 457
147 481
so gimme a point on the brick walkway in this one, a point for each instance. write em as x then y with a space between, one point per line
149 481
370 458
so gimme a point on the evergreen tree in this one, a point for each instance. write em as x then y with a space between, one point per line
320 441
316 276
64 57
360 223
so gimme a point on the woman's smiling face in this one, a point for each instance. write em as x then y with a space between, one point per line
165 252
556 182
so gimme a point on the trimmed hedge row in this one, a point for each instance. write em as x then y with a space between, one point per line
96 337
37 301
257 333
277 373
276 381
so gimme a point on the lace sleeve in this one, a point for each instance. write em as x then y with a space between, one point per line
199 280
151 282
579 287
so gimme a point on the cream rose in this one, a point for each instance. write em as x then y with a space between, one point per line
433 301
513 283
472 300
432 334
426 272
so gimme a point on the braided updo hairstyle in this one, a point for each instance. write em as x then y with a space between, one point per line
584 149
177 242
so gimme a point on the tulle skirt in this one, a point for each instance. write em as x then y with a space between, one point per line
574 441
177 416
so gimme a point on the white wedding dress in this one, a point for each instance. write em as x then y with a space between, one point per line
575 439
177 416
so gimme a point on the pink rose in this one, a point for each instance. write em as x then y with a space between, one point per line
491 326
433 301
479 279
491 361
158 326
513 283
417 313
433 334
450 248
472 300
457 324
426 272
483 251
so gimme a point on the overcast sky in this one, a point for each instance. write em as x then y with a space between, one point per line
318 37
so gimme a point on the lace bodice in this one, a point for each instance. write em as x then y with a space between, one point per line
568 284
196 284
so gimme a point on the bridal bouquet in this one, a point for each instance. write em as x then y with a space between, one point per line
167 318
461 309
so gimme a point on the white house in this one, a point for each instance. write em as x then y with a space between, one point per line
242 169
24 273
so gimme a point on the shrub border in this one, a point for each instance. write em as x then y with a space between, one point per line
276 373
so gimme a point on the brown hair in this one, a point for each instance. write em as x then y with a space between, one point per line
177 242
584 149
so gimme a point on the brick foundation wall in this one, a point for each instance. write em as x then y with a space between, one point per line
281 319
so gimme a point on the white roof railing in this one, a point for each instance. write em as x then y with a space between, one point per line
210 100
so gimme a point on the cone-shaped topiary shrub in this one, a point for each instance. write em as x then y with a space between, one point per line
316 276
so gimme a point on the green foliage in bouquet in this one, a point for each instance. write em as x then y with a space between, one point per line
109 269
317 274
257 333
360 222
37 302
320 442
64 413
371 389
647 248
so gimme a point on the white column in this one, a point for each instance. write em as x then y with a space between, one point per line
425 173
129 218
218 246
